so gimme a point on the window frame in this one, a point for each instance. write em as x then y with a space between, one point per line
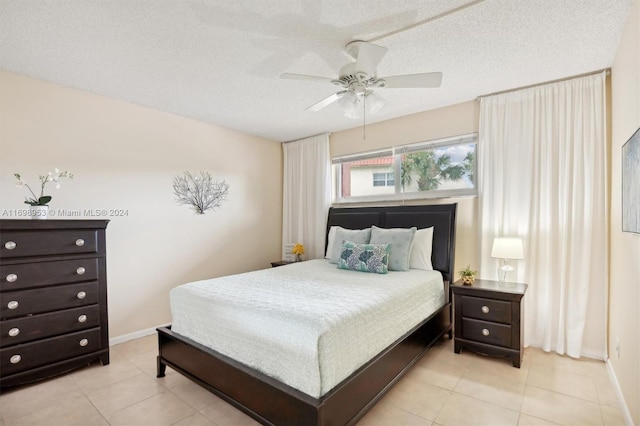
397 152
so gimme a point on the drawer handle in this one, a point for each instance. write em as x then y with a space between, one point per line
79 242
15 359
12 278
485 309
485 332
82 318
80 271
14 332
82 295
13 305
10 245
84 342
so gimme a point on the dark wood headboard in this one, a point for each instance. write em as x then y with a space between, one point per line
441 216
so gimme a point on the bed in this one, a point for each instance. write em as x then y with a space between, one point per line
271 401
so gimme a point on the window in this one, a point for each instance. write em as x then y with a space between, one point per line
440 168
384 179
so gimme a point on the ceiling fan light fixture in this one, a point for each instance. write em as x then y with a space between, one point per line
348 99
349 104
373 103
352 111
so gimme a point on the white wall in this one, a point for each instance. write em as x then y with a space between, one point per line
453 120
624 297
362 181
124 157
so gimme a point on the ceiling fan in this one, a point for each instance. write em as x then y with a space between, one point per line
358 80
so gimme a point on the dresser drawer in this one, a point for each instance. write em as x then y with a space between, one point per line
35 327
19 358
486 332
486 309
48 299
50 242
40 274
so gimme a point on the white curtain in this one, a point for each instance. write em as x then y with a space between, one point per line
306 193
543 178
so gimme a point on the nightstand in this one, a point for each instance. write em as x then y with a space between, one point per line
280 263
488 319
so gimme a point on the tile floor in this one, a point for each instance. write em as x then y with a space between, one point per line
441 389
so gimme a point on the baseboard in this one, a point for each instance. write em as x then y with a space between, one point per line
584 353
135 335
616 385
594 354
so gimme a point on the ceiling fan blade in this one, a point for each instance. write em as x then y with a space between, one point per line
304 77
326 101
424 80
369 56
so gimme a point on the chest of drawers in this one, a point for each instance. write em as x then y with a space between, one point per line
488 319
53 297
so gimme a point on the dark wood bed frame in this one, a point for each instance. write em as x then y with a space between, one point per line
272 402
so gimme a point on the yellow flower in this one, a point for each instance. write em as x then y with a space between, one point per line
298 249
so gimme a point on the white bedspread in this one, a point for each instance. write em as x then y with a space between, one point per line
308 324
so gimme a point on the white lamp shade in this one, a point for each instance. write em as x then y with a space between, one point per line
507 248
373 103
352 103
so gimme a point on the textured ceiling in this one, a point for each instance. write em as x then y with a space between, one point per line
218 61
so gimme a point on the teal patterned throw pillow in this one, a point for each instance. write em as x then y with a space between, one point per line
365 257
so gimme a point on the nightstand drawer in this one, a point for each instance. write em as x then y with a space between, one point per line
486 332
486 309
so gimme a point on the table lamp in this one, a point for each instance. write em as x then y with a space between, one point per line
506 249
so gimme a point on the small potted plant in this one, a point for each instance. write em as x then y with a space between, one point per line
40 205
298 250
467 275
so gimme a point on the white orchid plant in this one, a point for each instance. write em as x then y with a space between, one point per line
42 200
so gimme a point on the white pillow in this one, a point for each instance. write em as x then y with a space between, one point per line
358 236
421 250
401 240
330 239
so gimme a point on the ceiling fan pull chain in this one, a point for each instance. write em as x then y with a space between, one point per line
364 118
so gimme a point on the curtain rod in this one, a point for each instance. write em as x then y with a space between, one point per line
312 136
608 70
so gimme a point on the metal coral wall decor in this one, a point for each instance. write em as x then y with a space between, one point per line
202 192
